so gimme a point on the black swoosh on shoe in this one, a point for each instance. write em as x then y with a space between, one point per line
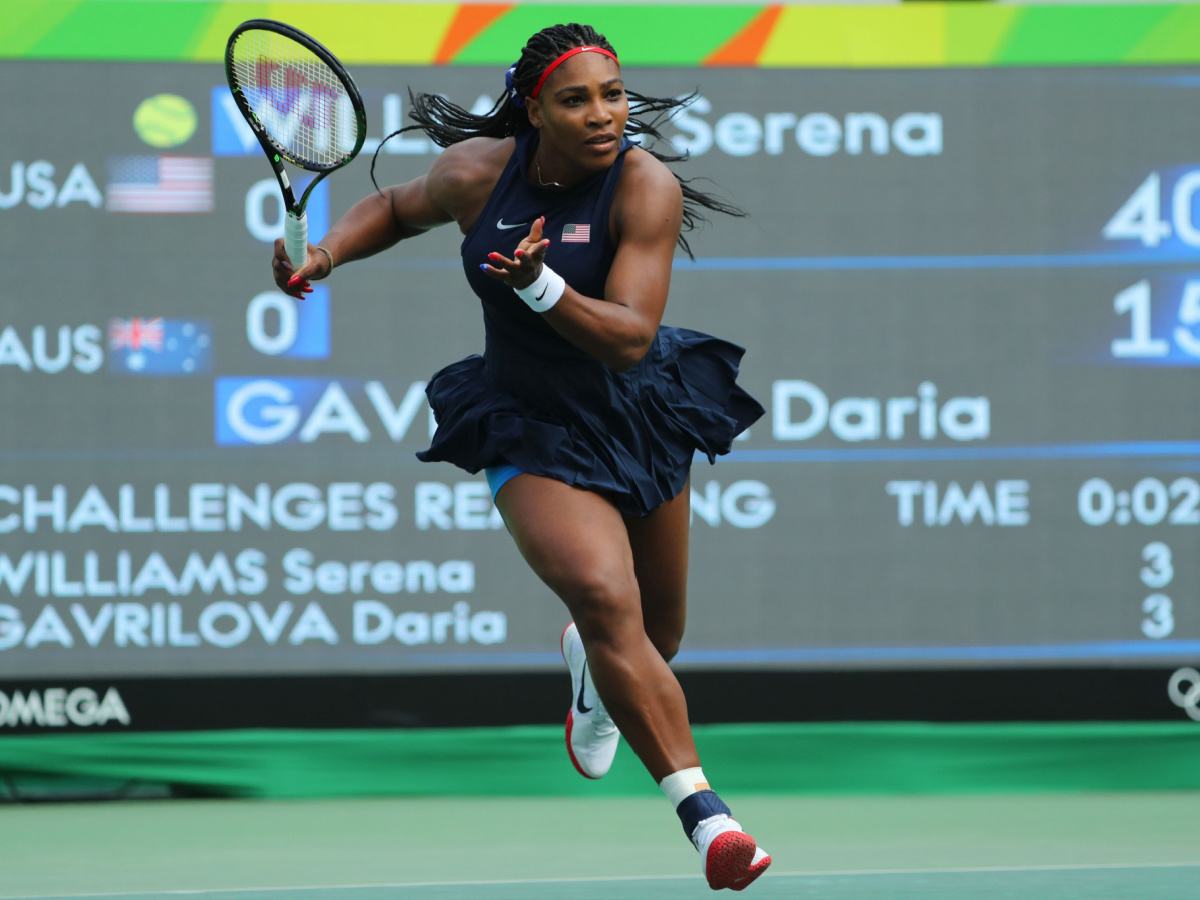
584 710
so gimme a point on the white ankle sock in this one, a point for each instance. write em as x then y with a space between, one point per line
678 786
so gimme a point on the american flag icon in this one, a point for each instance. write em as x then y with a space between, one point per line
576 234
160 184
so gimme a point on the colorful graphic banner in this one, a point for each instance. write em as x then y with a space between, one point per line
370 33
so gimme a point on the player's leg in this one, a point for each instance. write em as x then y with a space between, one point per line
659 543
580 546
591 735
576 542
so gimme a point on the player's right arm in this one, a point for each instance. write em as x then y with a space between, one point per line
454 189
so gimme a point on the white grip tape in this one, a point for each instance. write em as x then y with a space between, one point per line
295 238
545 291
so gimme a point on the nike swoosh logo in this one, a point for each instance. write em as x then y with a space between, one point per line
500 224
579 702
539 300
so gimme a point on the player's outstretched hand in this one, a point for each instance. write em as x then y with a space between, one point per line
525 266
295 283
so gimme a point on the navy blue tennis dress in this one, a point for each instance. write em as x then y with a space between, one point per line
536 402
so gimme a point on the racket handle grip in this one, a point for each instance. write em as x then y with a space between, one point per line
295 238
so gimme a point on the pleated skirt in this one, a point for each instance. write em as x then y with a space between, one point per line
629 435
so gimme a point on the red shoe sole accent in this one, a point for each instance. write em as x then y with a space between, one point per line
570 724
755 871
727 864
571 752
571 712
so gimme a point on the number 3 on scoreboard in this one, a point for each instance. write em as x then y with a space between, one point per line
1157 573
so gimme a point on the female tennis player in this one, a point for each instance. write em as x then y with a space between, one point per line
583 411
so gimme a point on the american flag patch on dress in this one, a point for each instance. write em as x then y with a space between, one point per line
576 234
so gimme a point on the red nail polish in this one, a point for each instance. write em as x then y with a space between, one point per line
293 280
520 253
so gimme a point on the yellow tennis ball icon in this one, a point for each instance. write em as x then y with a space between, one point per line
164 120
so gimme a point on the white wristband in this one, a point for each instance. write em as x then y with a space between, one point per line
546 290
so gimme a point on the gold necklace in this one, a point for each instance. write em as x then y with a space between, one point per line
542 182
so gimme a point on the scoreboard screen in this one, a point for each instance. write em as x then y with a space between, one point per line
970 299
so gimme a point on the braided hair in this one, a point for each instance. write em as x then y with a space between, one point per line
447 123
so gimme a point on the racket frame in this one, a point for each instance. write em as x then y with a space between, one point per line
296 222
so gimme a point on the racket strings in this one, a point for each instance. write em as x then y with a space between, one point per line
299 100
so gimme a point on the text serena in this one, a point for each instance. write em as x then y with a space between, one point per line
57 574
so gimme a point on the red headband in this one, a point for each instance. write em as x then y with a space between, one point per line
562 59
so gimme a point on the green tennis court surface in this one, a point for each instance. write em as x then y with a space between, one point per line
1140 846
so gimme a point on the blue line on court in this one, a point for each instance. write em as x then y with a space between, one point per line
845 655
1101 450
919 262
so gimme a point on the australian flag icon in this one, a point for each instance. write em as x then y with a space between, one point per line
159 347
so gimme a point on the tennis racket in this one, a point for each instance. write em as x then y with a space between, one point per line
303 107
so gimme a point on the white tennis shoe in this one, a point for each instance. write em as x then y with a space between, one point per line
729 858
592 737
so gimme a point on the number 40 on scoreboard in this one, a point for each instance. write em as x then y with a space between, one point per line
1140 219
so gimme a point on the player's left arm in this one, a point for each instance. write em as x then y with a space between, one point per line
619 328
